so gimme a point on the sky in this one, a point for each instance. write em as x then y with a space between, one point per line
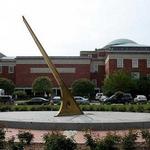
66 27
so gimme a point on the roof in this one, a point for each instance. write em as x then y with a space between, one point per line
2 55
123 43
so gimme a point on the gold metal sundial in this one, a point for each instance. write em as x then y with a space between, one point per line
68 105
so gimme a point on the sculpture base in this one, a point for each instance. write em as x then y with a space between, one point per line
45 120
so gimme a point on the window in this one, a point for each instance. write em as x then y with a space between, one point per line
10 69
148 63
1 69
135 75
135 63
119 63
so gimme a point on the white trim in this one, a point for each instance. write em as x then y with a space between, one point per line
128 56
47 70
58 61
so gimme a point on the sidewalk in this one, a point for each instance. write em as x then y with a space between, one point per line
78 136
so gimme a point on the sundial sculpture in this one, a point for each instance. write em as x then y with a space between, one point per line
68 105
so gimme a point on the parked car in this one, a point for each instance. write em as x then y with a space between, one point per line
98 96
103 98
140 99
120 98
35 101
6 99
81 100
56 100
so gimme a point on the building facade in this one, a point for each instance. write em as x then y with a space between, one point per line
94 65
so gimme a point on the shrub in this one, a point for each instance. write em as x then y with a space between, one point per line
140 108
2 138
90 141
25 137
122 108
107 143
131 108
101 108
56 141
113 108
14 146
128 141
4 108
146 136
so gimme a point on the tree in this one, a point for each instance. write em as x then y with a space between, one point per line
42 85
20 94
143 86
83 87
7 85
118 81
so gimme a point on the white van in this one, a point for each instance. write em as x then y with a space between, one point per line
98 96
2 92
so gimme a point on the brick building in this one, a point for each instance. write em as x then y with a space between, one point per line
94 65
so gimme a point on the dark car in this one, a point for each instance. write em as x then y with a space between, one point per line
122 98
35 101
6 99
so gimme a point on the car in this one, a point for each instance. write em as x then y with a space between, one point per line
35 101
81 100
56 100
98 96
121 98
6 99
103 98
140 99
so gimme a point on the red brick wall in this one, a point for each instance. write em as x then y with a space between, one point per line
25 79
7 75
128 66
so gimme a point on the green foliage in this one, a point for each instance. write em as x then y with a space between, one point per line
92 107
56 141
129 140
107 143
42 85
140 108
132 108
90 141
14 146
83 87
2 138
25 137
118 81
7 85
20 94
143 85
146 136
